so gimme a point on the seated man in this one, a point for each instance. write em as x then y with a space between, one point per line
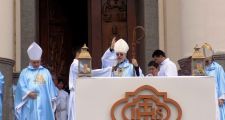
153 68
115 57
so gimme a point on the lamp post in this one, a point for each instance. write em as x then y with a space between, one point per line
198 62
84 64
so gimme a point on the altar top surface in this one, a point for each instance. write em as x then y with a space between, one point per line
152 77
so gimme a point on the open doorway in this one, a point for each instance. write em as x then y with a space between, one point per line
63 26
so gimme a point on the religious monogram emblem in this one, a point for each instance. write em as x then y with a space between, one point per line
146 103
118 72
39 79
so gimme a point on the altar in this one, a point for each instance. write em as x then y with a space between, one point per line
147 98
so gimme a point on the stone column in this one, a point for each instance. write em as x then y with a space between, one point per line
6 67
29 27
202 21
151 25
7 54
170 16
7 25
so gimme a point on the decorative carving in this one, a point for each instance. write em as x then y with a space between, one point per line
114 30
146 103
114 20
114 10
137 40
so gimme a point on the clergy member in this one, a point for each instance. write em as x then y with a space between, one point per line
35 97
216 70
1 93
166 66
116 57
73 74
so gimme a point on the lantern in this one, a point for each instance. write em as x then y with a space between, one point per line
84 62
198 62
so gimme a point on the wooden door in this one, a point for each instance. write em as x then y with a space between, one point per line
63 26
109 18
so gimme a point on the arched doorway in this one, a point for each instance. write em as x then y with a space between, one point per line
63 27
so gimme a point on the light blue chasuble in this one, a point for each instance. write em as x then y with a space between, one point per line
39 81
1 93
124 69
216 70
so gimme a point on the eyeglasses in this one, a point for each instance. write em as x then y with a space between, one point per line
119 54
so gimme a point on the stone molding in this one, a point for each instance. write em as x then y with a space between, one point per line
7 61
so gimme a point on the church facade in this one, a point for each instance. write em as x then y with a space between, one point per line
174 26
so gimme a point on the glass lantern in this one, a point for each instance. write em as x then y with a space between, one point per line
84 63
198 62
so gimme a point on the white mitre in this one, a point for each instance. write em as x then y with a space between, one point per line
207 50
121 46
34 51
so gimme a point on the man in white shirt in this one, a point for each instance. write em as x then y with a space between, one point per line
166 66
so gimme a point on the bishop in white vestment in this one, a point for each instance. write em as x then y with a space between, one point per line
115 57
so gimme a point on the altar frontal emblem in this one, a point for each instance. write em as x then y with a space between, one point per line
40 79
146 103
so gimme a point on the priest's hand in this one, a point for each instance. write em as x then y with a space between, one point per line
221 102
134 62
32 95
113 43
86 69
